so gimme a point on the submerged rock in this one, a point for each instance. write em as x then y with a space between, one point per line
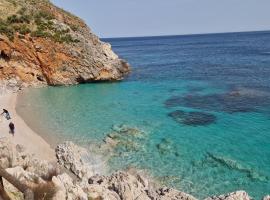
242 100
234 165
193 118
166 146
123 139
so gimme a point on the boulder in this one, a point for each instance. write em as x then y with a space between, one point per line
66 189
238 195
120 185
25 176
123 185
266 197
172 194
6 153
43 168
100 192
75 159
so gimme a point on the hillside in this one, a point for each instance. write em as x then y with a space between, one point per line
42 44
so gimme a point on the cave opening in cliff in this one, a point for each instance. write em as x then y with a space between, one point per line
4 56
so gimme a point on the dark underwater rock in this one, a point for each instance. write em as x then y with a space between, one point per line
166 146
236 101
123 139
193 118
235 165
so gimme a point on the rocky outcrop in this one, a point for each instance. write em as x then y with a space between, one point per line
41 44
238 195
120 185
123 185
66 189
266 197
47 179
74 158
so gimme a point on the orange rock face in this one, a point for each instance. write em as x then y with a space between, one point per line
35 60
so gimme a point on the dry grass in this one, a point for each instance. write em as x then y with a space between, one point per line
7 8
44 191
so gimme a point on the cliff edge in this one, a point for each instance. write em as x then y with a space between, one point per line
41 44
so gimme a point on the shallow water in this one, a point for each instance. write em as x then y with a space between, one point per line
224 77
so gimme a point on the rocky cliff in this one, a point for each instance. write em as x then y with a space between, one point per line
42 44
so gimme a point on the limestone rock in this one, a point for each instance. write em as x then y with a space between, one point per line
120 185
123 185
42 168
171 194
74 158
266 197
12 156
127 186
65 51
99 192
24 176
66 189
238 195
4 162
6 153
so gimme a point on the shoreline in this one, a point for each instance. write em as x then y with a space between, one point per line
52 141
74 156
24 135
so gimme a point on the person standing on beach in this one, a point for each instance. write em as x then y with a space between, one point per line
6 114
11 128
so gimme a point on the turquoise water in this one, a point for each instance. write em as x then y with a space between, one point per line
201 102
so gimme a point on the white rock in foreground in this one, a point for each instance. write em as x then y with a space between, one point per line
66 189
72 157
126 186
118 186
266 197
238 195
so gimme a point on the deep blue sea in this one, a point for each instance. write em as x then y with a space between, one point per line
201 102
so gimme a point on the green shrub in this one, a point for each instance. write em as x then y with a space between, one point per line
13 2
6 30
13 19
22 11
39 33
44 15
22 29
26 19
74 27
22 21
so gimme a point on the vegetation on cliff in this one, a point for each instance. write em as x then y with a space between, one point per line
37 22
43 44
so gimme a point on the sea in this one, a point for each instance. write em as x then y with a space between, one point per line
194 113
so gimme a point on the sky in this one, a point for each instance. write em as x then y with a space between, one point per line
128 18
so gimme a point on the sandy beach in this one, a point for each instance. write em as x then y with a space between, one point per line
24 135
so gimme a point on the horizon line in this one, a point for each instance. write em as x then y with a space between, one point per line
187 34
